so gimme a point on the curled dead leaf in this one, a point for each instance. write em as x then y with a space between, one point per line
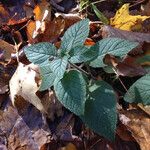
25 83
139 126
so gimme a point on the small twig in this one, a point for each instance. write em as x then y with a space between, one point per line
137 3
80 69
88 69
16 48
95 143
120 80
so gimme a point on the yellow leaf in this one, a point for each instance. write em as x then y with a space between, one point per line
123 20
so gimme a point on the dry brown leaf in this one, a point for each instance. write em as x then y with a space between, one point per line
7 48
108 31
47 31
4 15
64 129
126 67
25 84
145 108
139 125
43 28
129 67
5 76
53 29
21 131
124 133
123 20
145 8
69 19
42 13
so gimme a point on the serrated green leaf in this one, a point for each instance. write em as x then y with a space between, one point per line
58 66
48 77
81 54
114 46
40 53
75 36
100 111
139 92
71 91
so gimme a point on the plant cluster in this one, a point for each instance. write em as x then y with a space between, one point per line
94 101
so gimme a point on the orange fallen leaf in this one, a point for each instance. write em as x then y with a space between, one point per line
89 42
123 20
42 11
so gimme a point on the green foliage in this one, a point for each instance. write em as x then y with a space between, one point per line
139 92
71 91
100 111
82 54
58 66
48 77
114 46
75 36
100 15
40 53
93 101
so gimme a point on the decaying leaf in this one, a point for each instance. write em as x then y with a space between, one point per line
145 8
25 83
3 14
69 19
145 108
126 67
44 28
124 133
64 129
7 48
108 31
42 13
123 20
21 131
5 76
139 125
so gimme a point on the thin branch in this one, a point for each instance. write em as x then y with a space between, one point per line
80 69
120 80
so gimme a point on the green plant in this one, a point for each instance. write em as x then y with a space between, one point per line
84 4
94 101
